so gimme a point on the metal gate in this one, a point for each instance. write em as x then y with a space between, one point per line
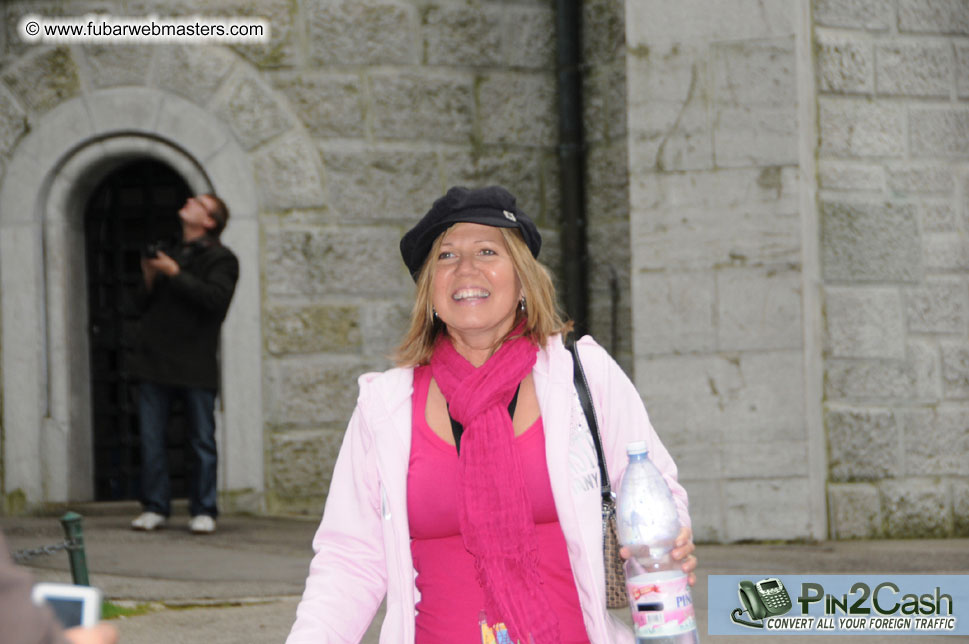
133 206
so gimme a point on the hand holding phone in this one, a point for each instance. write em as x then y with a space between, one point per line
72 605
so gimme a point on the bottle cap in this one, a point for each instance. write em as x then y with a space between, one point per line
637 447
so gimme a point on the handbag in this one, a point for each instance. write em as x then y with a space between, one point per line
615 576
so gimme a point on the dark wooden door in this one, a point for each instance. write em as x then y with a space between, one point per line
135 205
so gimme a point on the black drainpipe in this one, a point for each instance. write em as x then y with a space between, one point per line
571 152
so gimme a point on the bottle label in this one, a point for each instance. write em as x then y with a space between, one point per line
661 603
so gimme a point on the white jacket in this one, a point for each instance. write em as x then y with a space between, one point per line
363 542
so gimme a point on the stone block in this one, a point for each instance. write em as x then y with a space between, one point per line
381 183
867 379
939 132
916 508
850 128
936 441
518 169
462 35
383 325
528 37
749 517
13 122
955 368
945 252
706 509
312 391
604 103
914 69
870 241
697 399
845 175
960 508
761 228
668 113
871 15
845 64
863 444
301 462
962 70
756 73
329 105
921 178
323 261
603 36
933 16
252 111
916 377
651 21
938 305
363 32
685 394
312 328
758 309
517 108
864 322
192 72
289 174
422 105
939 216
43 79
678 312
283 16
756 458
116 64
745 137
855 510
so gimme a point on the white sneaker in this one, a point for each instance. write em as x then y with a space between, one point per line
148 521
201 524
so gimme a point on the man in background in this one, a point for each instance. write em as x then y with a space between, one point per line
187 291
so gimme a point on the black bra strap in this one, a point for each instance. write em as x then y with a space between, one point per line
457 429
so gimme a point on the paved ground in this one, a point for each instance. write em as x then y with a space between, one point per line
242 584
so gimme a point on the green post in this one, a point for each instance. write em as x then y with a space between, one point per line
75 552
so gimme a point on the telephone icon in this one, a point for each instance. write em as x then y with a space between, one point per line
766 598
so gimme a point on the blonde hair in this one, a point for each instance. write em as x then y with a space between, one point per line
542 317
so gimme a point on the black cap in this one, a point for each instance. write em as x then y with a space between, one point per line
491 206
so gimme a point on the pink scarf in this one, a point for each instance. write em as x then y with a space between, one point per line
494 510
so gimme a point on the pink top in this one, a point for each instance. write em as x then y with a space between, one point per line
451 598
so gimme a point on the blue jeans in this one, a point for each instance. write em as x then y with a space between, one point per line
154 406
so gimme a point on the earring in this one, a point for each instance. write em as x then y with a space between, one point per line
522 304
434 313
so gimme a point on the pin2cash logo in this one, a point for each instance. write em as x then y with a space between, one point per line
883 607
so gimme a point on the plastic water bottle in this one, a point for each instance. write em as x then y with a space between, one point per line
648 524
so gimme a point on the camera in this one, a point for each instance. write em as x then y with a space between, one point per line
151 249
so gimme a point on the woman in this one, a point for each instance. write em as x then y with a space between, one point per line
467 479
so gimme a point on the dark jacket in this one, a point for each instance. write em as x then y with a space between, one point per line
178 335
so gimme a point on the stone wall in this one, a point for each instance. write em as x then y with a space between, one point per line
893 79
354 118
402 100
717 280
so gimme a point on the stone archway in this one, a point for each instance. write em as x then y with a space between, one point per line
46 414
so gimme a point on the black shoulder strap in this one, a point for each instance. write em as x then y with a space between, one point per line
585 398
457 429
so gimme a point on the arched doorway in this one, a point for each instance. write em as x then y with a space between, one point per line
135 205
48 437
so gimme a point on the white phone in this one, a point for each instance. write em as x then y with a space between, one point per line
73 605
